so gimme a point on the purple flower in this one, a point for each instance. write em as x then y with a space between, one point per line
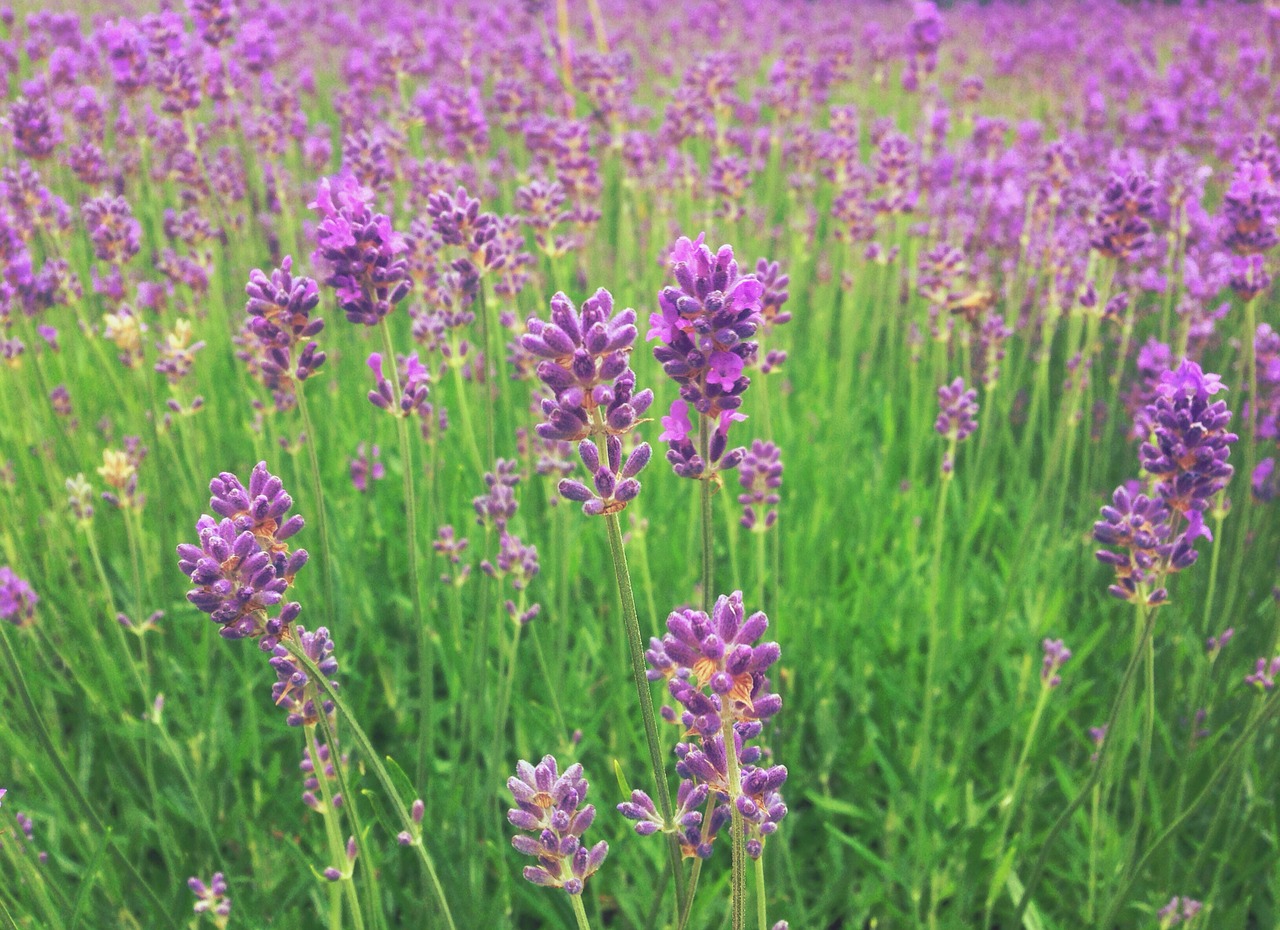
366 466
36 130
1251 210
1120 226
294 691
1264 674
956 418
415 383
1266 481
760 475
212 899
17 599
496 507
116 235
362 255
1056 655
613 482
280 320
551 813
584 362
1178 910
243 566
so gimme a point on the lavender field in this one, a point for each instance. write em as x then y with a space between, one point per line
601 464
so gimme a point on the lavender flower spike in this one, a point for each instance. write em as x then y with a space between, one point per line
17 599
549 809
212 899
956 422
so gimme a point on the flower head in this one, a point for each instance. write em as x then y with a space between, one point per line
212 899
17 599
551 813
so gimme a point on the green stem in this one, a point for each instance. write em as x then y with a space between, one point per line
580 912
1085 790
379 771
738 888
694 874
705 489
635 646
1241 742
317 494
762 904
426 668
46 743
337 850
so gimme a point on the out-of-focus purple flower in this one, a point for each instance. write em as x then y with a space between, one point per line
1121 224
213 899
498 505
362 255
1264 674
366 466
449 545
1179 910
1265 482
760 475
294 690
1251 210
1056 655
956 420
36 129
17 599
314 769
116 235
550 811
1213 645
415 383
1249 275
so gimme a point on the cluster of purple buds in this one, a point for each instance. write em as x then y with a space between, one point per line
243 566
212 899
584 360
956 421
760 476
280 320
17 599
362 255
36 129
1056 655
716 672
1178 910
1140 526
322 765
294 691
517 562
1190 444
551 813
496 507
414 381
1120 226
366 466
115 234
613 482
457 220
705 326
1264 674
924 36
451 546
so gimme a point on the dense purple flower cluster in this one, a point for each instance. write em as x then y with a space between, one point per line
705 326
243 566
1186 459
1056 655
294 690
213 898
956 420
551 811
1121 225
17 599
115 234
281 325
716 672
362 256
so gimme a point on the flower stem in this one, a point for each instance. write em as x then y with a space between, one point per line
1083 794
379 771
738 887
636 647
580 912
694 874
762 904
332 834
705 489
426 669
317 494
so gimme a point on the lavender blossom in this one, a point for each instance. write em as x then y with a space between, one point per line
1264 674
212 899
294 691
549 807
366 466
17 599
1178 910
956 418
360 252
243 566
280 320
116 235
1120 226
760 475
1056 655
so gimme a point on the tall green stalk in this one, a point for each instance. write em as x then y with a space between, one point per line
317 494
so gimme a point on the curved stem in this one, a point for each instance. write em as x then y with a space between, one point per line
1083 794
635 646
333 835
379 771
1241 741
